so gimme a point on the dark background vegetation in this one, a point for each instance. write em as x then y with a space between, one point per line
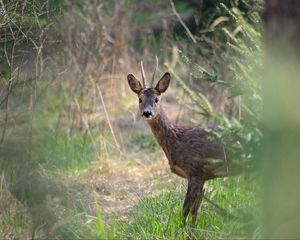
76 160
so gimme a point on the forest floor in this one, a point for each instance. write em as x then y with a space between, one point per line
117 191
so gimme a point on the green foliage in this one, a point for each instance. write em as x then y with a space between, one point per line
237 71
245 59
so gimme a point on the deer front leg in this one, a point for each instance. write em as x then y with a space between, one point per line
197 204
193 197
186 203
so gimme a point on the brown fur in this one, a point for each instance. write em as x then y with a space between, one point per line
188 149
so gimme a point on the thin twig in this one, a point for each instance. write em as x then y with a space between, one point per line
182 23
226 162
182 103
6 114
107 118
11 65
221 210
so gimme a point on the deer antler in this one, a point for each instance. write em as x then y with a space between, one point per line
153 76
143 75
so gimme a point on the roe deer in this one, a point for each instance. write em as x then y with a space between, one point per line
188 149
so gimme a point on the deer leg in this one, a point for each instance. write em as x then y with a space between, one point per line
197 204
192 197
186 204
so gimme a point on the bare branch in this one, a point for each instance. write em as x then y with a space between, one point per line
6 114
181 22
107 118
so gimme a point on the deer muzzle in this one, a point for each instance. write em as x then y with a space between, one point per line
147 113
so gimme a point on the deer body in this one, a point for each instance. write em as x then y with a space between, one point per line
184 147
187 148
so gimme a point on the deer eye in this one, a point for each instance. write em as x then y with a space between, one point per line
140 100
156 100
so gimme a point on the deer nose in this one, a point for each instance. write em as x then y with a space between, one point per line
147 113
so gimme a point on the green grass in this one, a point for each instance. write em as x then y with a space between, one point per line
67 154
236 215
233 214
19 222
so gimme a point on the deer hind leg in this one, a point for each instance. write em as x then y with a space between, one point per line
193 197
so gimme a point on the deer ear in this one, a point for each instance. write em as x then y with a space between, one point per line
134 84
163 83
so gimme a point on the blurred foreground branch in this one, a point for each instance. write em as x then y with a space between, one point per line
282 120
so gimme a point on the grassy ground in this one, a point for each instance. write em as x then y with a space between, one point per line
82 187
150 207
135 197
160 217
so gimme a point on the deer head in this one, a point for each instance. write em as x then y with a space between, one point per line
149 97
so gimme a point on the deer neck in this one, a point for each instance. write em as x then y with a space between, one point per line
163 131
